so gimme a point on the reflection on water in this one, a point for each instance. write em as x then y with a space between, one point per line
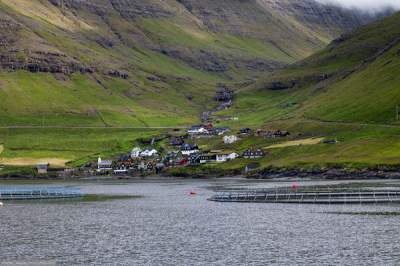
168 226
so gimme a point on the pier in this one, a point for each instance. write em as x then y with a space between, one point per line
38 193
309 196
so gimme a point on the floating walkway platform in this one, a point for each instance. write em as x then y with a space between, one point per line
309 197
38 193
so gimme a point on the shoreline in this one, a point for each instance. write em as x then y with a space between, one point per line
275 174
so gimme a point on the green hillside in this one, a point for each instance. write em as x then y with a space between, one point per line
348 91
354 79
80 79
145 63
103 63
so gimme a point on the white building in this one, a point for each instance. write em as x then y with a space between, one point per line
135 153
230 139
226 157
233 156
222 158
103 165
188 149
149 153
197 130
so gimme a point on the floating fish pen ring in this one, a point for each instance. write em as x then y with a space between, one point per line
306 196
35 193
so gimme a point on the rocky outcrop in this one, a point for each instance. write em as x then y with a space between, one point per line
8 28
128 9
115 24
38 61
118 74
203 60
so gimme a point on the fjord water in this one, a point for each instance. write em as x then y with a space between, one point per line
168 226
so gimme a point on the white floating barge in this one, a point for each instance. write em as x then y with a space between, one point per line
37 193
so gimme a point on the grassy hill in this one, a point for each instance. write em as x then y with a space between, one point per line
145 63
354 79
348 91
109 63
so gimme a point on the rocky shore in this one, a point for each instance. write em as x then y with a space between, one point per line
328 173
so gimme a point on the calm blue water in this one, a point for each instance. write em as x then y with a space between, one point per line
167 226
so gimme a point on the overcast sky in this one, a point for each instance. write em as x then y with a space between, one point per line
366 4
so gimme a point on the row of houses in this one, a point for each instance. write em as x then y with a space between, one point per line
272 133
207 130
191 156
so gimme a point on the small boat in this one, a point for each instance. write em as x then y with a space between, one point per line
1 204
192 193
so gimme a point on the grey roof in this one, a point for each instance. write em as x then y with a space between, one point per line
105 163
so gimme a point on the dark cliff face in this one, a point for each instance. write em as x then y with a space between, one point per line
290 29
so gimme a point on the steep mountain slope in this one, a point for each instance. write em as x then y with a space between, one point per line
355 79
146 63
348 93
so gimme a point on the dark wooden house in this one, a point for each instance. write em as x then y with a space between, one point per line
223 94
253 154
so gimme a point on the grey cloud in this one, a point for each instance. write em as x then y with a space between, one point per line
367 5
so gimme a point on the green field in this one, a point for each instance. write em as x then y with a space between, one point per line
76 145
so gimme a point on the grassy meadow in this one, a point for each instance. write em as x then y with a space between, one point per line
74 146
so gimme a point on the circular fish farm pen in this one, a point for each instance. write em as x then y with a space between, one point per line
311 195
38 193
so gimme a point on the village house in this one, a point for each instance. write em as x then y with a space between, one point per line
272 133
146 166
150 167
104 165
176 141
121 170
218 131
135 153
188 149
159 167
42 168
174 158
233 156
230 139
245 131
149 153
220 158
196 159
223 94
198 129
253 154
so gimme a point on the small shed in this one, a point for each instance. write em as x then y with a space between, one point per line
245 131
230 139
42 168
